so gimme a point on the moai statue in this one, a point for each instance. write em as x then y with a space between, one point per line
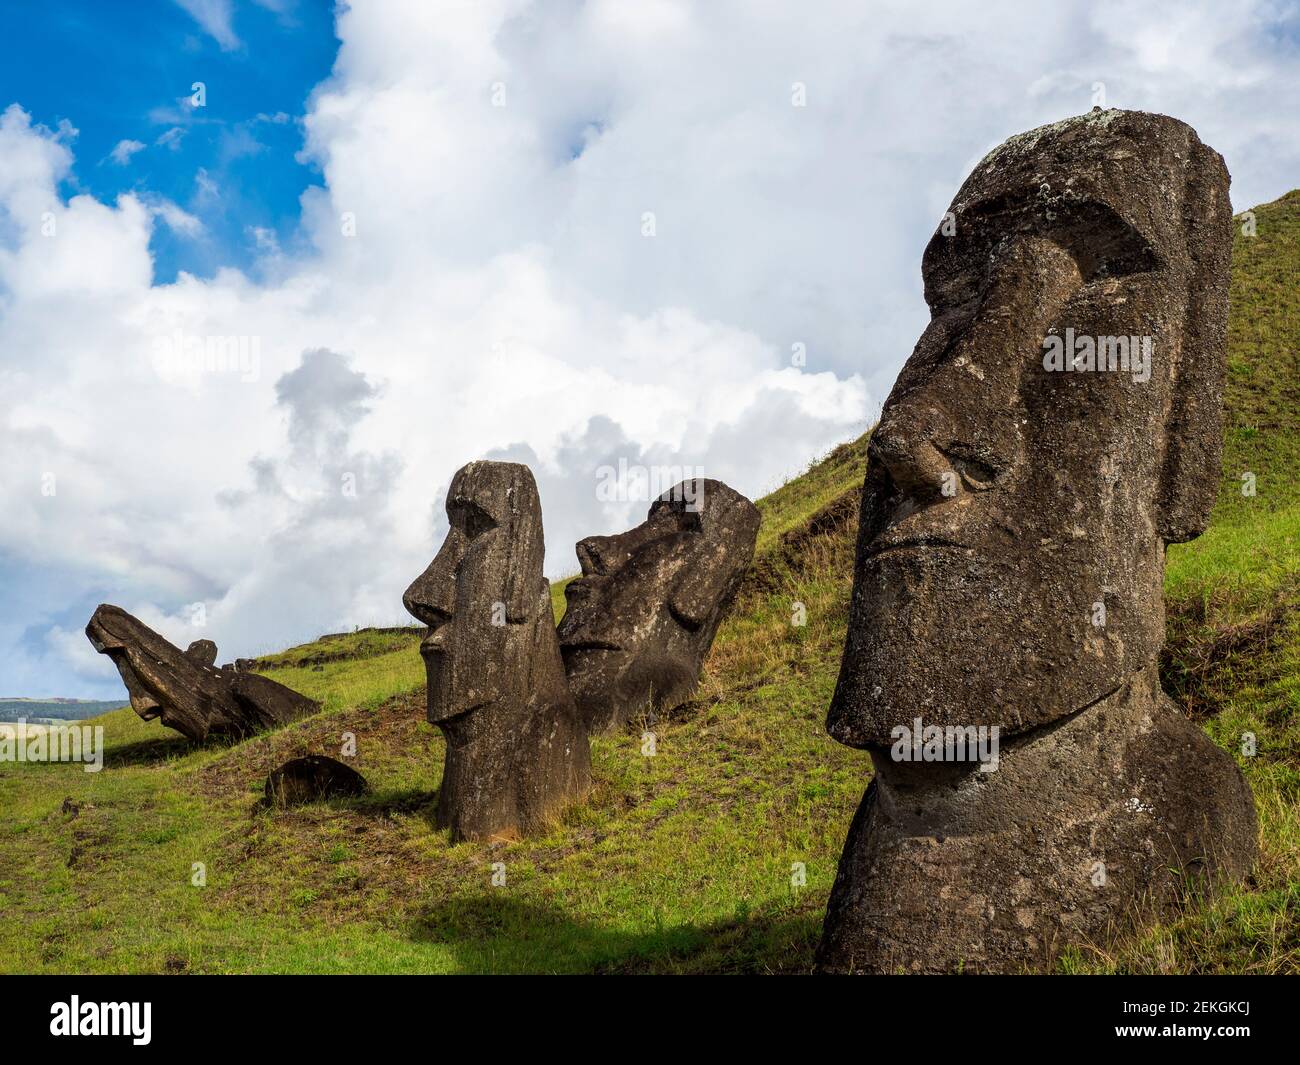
517 751
312 778
1057 425
643 615
184 688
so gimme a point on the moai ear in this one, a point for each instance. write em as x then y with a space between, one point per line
700 585
714 573
1194 431
526 546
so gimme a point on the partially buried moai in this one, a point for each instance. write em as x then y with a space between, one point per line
642 617
185 690
1057 425
517 751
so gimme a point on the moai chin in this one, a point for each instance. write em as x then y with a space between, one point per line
1058 424
642 617
517 751
185 690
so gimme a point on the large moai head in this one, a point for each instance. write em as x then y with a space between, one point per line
185 689
1057 424
516 750
481 595
642 617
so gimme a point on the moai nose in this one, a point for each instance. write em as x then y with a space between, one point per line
905 443
595 555
432 595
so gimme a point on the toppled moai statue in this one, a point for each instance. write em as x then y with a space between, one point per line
643 615
517 751
1057 425
312 778
184 688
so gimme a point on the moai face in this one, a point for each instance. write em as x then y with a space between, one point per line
1015 511
184 689
111 633
482 594
1026 474
516 749
643 615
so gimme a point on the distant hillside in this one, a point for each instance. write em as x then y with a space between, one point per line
55 709
679 862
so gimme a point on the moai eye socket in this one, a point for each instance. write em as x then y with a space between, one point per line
976 474
679 510
470 519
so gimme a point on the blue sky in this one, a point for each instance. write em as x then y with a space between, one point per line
428 218
123 72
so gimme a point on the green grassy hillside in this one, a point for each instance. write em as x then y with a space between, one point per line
681 861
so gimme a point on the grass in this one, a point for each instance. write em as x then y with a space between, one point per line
681 861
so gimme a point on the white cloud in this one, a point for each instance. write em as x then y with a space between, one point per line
177 218
265 240
217 19
171 138
499 296
123 150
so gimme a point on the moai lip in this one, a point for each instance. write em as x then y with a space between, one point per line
1029 467
183 688
642 617
517 749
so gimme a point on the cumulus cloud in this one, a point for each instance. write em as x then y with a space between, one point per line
663 233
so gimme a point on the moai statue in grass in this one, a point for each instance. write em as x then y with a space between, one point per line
1057 425
312 778
185 689
642 617
517 751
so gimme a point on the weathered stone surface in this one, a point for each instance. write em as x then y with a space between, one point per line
642 617
184 688
1011 559
313 778
202 652
517 750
